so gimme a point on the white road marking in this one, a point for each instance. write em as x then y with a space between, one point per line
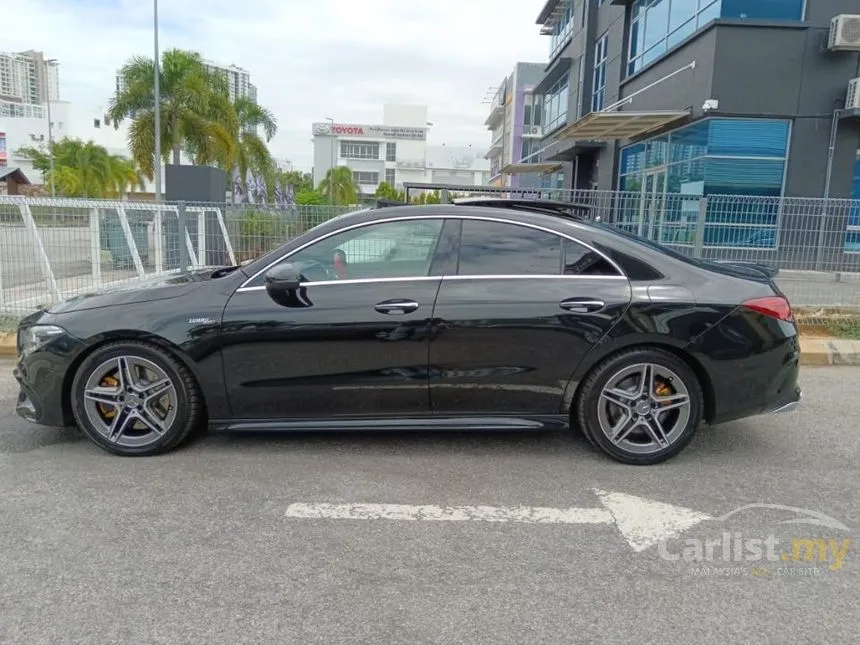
642 522
432 513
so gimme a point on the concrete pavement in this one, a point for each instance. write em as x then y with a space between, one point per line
197 547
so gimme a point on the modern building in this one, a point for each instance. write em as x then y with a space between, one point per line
703 97
394 151
515 125
238 80
27 78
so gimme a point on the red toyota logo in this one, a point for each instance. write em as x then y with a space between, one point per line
347 129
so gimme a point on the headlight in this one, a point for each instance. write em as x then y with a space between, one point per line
31 339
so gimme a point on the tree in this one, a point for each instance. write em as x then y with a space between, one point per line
84 169
300 181
195 110
310 198
340 186
251 152
387 191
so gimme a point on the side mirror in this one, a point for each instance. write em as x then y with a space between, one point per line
282 278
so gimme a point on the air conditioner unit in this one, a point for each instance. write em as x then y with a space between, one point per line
852 101
844 33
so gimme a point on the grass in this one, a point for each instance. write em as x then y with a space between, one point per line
848 328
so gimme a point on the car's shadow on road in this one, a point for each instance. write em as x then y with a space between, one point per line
735 438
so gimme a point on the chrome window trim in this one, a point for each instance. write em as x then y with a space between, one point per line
403 218
424 278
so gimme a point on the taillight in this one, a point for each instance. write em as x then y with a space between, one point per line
773 306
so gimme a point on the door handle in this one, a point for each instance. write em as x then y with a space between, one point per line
396 307
582 305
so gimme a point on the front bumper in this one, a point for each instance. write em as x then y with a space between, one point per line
41 403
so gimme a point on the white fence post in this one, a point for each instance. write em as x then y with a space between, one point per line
2 246
191 255
158 241
132 245
201 237
226 235
41 255
96 247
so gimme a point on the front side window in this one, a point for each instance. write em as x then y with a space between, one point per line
403 249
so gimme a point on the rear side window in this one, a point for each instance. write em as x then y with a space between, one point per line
581 260
495 248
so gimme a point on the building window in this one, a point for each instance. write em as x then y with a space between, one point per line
359 150
599 83
555 105
711 157
389 176
391 151
562 30
532 110
656 26
365 178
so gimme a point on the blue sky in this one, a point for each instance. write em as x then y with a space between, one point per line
309 58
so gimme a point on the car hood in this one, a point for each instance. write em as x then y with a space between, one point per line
162 287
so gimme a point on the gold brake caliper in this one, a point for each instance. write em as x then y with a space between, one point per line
108 411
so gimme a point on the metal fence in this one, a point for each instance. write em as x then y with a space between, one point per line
51 249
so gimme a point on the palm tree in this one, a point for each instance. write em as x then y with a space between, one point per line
126 175
340 186
251 152
81 169
195 110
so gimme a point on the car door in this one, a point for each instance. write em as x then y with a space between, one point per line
524 308
352 341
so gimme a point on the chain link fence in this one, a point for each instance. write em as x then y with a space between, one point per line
51 249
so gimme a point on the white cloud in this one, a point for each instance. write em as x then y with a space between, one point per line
309 58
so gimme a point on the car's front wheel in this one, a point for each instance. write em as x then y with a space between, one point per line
640 406
135 399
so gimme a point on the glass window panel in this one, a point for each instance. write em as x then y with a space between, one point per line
852 242
744 177
655 152
632 158
680 11
740 236
656 22
748 138
653 54
682 32
763 9
637 39
687 178
709 13
690 142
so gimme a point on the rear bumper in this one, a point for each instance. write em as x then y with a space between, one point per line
788 406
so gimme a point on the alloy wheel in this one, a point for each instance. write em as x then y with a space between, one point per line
130 401
644 408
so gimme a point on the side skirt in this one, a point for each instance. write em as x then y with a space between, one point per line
415 423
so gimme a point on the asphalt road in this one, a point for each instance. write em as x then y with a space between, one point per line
196 547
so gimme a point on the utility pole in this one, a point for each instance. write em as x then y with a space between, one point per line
50 125
157 105
331 170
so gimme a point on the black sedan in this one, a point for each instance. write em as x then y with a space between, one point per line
483 315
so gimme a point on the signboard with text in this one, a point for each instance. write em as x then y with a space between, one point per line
353 130
3 157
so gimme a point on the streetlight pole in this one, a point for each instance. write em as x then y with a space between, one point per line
331 168
157 101
50 126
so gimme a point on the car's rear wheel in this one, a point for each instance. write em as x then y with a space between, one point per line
135 399
640 406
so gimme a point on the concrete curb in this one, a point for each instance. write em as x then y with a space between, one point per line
813 351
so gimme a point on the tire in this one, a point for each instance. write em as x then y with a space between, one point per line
135 399
613 391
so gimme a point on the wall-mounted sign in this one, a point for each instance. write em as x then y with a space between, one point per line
353 130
